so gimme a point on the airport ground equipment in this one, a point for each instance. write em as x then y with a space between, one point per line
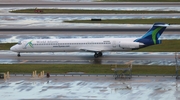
39 75
4 76
176 65
123 72
1 75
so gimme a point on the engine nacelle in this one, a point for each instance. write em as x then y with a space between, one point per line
131 45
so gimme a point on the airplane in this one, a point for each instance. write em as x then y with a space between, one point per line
94 45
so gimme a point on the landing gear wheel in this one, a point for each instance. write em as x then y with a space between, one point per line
18 55
96 55
100 54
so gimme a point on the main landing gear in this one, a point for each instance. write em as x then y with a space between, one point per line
98 54
18 54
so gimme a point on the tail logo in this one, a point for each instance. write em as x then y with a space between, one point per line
152 35
155 34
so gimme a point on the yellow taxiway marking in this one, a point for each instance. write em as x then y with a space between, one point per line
24 61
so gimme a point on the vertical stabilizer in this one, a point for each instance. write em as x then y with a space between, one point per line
152 35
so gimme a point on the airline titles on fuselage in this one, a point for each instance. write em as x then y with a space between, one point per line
46 42
67 44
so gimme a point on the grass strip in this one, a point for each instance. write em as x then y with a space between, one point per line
130 21
139 0
165 46
86 68
80 11
6 46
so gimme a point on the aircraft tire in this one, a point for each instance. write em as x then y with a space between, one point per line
100 54
96 55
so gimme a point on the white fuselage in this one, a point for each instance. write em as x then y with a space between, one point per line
96 45
77 45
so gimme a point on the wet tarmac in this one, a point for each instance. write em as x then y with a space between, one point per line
9 7
137 58
57 20
90 87
83 87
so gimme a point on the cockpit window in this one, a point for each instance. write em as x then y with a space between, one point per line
19 43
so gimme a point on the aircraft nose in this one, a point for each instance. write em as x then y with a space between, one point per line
13 48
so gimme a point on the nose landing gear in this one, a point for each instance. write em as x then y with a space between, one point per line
18 54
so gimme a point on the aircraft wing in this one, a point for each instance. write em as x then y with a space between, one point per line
92 49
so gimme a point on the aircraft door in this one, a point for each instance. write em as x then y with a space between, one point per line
114 44
23 44
119 44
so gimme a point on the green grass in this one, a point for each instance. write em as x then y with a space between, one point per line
140 0
80 11
88 69
6 46
129 21
165 46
